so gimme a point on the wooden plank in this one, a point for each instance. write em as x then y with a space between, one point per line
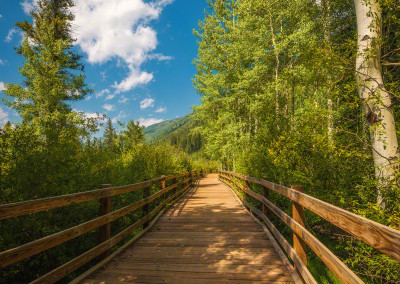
302 269
105 230
293 272
380 237
77 262
38 205
16 254
190 252
333 262
298 215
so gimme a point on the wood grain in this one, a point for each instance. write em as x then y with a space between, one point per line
380 237
200 248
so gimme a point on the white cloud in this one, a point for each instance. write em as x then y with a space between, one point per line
149 121
135 78
3 116
2 62
29 5
160 57
10 35
149 102
120 29
161 109
88 98
110 97
2 86
117 29
108 107
100 117
120 116
102 93
1 16
123 100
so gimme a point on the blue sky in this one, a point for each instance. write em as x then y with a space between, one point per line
138 56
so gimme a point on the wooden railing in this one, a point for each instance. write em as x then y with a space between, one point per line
380 237
106 242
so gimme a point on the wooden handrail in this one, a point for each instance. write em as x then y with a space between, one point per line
331 213
378 236
107 216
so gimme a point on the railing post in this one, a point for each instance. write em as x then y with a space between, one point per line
174 182
163 186
105 230
146 207
298 215
265 193
247 186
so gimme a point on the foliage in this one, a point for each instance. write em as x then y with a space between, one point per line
279 101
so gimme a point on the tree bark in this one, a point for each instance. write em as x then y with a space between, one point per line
376 100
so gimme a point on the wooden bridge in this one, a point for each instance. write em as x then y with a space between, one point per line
208 235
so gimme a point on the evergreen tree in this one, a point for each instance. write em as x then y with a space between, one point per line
110 135
50 69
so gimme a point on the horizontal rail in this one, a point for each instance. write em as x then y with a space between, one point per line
34 206
378 236
19 253
82 259
345 274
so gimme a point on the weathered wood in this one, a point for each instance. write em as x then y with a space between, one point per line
38 205
16 254
334 263
146 207
380 237
93 269
265 194
82 259
200 255
105 230
163 185
301 268
298 215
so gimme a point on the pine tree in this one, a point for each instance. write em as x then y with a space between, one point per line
110 134
50 69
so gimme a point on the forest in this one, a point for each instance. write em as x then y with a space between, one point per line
301 92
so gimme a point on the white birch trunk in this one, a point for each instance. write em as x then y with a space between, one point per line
377 101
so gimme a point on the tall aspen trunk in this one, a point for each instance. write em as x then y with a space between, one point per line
376 100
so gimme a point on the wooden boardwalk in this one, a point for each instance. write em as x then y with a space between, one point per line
206 237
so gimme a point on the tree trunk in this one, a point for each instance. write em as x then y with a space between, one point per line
376 100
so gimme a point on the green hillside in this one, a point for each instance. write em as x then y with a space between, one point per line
160 131
176 132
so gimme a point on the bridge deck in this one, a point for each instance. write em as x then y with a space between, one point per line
205 237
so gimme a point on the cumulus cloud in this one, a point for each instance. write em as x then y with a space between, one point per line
88 98
109 29
2 62
149 102
108 107
2 86
161 109
117 29
3 116
149 121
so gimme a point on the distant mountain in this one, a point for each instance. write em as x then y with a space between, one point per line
177 132
160 131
